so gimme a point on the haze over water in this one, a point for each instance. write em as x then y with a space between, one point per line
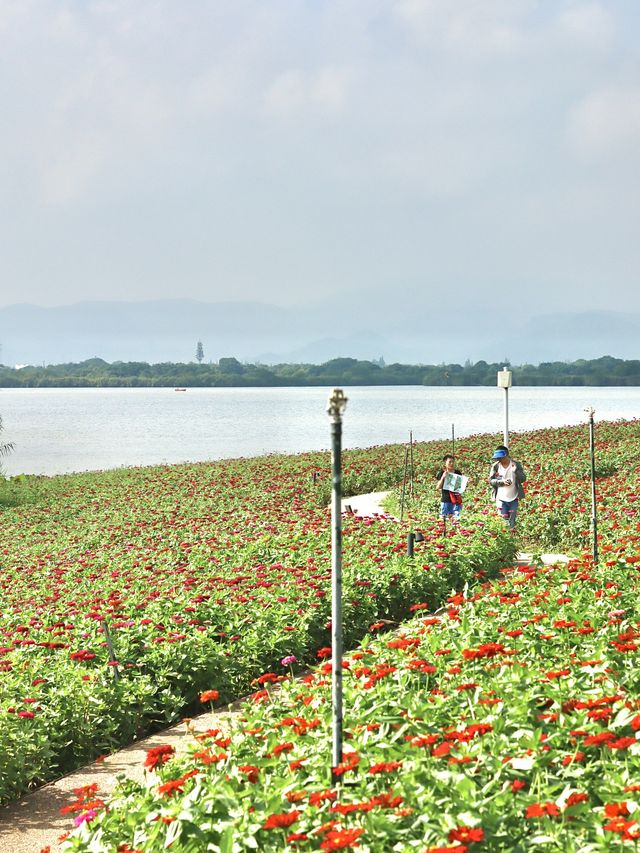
58 431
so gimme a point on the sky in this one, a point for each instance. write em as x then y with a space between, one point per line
456 154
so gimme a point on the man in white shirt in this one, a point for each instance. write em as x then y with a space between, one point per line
506 478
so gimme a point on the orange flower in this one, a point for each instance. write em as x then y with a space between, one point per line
209 696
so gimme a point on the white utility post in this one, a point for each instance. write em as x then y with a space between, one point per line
504 381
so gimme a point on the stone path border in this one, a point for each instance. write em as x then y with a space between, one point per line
34 822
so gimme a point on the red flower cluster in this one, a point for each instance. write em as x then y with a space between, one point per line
157 755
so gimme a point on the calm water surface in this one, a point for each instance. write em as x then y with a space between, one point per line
59 430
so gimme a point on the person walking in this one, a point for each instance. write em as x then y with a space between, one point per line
450 501
506 478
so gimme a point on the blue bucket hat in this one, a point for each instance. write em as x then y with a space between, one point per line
499 454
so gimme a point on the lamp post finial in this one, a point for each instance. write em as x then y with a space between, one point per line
337 404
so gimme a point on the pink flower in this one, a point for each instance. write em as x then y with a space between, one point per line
86 817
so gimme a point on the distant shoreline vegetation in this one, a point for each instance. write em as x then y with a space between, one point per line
231 373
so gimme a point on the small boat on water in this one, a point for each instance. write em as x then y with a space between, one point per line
179 389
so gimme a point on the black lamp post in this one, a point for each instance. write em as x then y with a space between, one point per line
594 507
335 410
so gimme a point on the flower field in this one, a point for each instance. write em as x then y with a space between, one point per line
509 721
206 577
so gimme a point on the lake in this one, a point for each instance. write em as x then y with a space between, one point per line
60 430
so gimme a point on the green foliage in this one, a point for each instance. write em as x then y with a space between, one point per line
208 575
96 372
508 722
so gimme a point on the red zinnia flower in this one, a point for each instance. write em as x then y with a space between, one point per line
623 827
174 785
541 810
209 696
319 797
622 743
558 673
385 767
616 809
251 771
282 820
466 834
576 798
341 839
158 755
603 737
569 759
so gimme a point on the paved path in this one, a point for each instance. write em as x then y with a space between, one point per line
28 825
366 505
34 822
547 559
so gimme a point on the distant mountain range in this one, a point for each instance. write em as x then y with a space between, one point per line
168 330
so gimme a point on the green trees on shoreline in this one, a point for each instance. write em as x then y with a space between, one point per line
229 372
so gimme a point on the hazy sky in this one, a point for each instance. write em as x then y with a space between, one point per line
291 150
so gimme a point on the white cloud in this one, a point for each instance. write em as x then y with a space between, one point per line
212 92
294 91
588 25
287 93
467 27
66 173
329 89
216 130
606 124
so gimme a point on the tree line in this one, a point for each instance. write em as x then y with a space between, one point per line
229 372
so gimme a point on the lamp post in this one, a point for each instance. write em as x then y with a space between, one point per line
504 381
335 410
594 507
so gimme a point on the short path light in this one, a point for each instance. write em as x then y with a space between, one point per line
112 655
411 539
335 410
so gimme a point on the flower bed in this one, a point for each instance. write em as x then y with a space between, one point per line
207 575
509 723
556 512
